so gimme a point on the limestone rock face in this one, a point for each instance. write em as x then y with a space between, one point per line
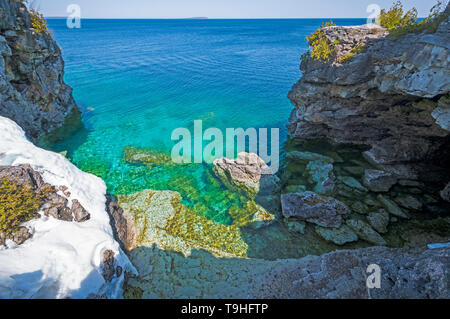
248 174
32 89
406 273
313 208
383 98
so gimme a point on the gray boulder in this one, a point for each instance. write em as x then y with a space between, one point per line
378 181
313 208
339 236
364 231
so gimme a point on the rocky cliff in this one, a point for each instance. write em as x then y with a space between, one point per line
393 97
32 89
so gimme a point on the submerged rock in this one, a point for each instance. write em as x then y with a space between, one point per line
295 225
321 173
352 183
306 157
409 202
158 217
392 207
313 208
364 231
248 174
252 214
379 181
379 220
339 236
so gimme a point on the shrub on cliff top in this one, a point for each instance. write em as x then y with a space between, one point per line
38 21
396 17
322 48
18 204
429 24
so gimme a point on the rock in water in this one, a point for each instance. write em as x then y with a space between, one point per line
364 231
313 208
321 173
339 236
379 220
248 174
392 207
33 92
379 181
159 217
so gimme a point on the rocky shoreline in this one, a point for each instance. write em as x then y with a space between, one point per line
383 180
32 88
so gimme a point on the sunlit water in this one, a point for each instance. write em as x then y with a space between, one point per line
138 80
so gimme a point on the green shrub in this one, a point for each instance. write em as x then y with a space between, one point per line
396 17
322 48
429 24
18 204
38 21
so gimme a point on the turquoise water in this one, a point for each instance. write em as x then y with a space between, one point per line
138 80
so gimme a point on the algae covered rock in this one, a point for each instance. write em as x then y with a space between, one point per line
252 214
147 157
248 174
160 218
313 208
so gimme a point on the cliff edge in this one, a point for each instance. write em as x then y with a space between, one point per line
389 94
32 89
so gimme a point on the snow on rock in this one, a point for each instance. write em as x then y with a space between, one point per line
62 259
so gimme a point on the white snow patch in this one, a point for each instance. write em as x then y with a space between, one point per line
62 259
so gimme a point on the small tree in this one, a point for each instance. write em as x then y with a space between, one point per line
396 17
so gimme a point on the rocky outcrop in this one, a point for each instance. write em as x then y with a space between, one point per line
32 89
405 273
392 97
313 208
55 203
248 174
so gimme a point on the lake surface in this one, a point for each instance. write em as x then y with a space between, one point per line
138 80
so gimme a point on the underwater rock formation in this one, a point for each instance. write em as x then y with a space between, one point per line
316 209
159 218
32 89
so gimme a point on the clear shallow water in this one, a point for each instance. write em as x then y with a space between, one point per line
138 80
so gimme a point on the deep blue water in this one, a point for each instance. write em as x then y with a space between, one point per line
137 80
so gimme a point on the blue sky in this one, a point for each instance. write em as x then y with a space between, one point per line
224 8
